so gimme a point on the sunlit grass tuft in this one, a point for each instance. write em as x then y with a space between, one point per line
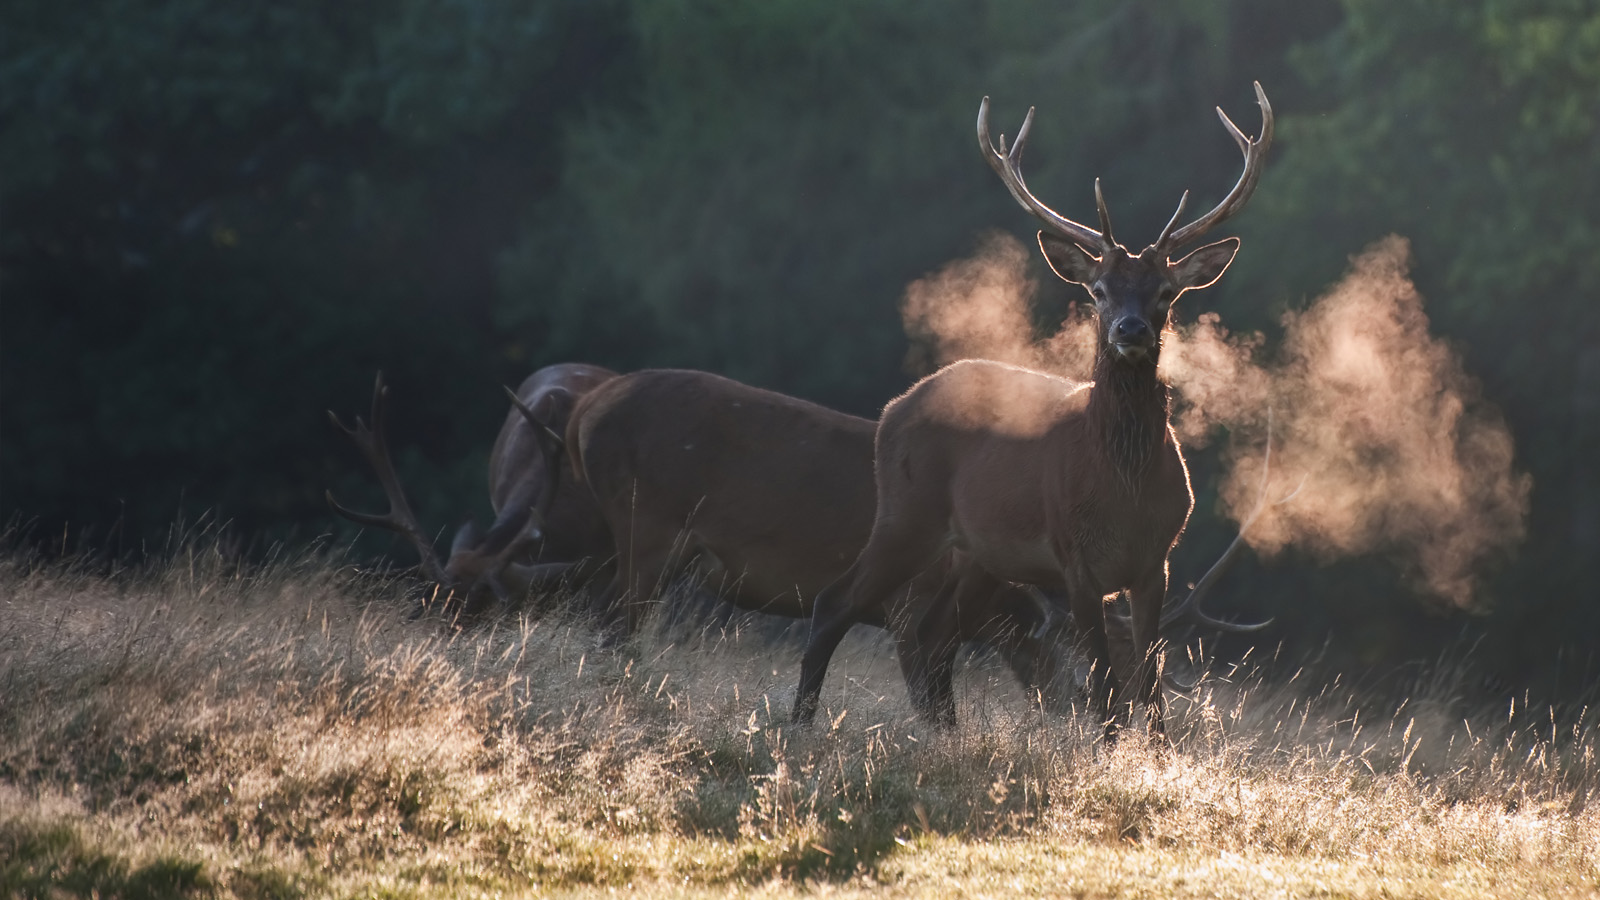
280 730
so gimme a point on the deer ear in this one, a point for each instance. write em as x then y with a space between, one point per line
1068 260
547 417
1203 267
555 408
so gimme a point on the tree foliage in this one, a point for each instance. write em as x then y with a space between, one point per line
220 219
786 168
1470 128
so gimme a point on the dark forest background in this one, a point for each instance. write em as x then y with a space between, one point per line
218 220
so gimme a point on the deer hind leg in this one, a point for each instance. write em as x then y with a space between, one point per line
605 608
704 601
970 603
889 561
927 635
1023 627
643 571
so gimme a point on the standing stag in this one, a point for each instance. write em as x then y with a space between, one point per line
1076 488
767 496
544 530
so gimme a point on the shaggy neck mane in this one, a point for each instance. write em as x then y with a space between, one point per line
1128 408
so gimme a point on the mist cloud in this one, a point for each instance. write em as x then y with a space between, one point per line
1394 442
979 308
1375 420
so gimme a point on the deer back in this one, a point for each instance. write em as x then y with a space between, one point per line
776 489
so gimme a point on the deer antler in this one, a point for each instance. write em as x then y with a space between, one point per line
1255 154
1008 165
1190 607
375 447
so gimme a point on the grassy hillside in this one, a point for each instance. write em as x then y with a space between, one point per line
280 731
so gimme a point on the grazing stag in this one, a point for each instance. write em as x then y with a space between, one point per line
1075 488
541 533
767 496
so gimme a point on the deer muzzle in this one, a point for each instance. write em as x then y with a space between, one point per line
1132 338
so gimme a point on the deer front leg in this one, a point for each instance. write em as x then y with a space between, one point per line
550 582
1146 599
1089 611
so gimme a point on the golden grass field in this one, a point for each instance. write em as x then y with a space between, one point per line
280 730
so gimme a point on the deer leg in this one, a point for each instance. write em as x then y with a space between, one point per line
927 638
617 608
1026 632
1147 598
479 599
964 607
831 618
604 607
582 586
608 607
641 576
540 579
883 565
700 601
1089 611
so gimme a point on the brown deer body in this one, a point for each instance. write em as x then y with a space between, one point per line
544 530
1074 488
525 474
772 498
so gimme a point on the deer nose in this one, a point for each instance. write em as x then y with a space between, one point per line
1132 330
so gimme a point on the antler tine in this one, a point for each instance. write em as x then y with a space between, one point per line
400 519
1255 153
1190 607
1008 165
359 518
379 415
1105 215
1172 683
1165 232
1239 136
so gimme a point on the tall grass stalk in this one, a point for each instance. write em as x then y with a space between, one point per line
202 727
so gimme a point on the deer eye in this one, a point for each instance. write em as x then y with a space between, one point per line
1098 292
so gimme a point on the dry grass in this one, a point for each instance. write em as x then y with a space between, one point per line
279 731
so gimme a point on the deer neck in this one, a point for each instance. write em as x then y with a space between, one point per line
1127 413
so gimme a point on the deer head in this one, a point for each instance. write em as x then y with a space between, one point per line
554 405
476 557
1133 293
